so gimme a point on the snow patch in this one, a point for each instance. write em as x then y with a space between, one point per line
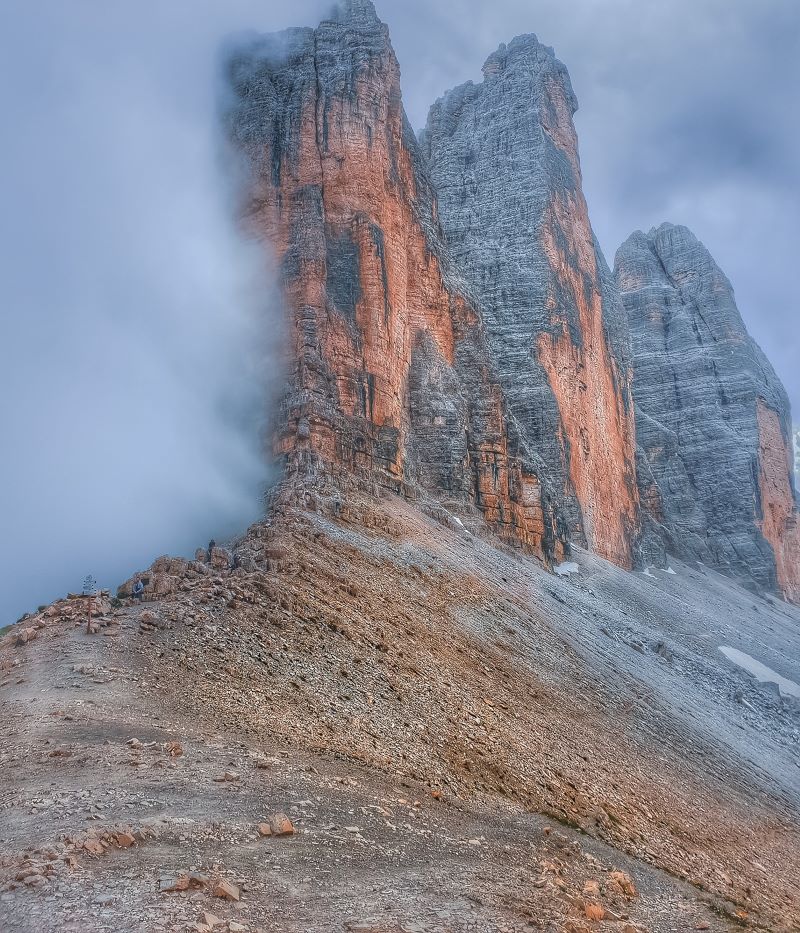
567 569
761 672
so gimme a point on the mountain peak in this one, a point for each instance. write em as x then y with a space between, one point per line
358 12
524 51
713 416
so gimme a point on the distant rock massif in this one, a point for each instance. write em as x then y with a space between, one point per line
457 337
713 419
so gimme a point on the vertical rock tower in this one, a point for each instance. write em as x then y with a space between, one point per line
389 372
455 333
503 156
713 419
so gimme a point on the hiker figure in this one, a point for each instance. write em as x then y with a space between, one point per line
138 590
211 545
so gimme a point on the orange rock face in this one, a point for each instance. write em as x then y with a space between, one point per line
591 393
591 389
388 372
504 159
780 522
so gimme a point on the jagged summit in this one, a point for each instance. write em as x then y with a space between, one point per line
503 157
355 12
691 264
526 54
713 419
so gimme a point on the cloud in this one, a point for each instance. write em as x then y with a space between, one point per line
137 330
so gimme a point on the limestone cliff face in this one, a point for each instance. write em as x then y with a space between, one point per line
455 333
713 419
503 157
389 373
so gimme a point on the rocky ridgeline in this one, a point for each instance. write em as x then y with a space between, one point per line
503 157
455 335
73 610
713 419
390 374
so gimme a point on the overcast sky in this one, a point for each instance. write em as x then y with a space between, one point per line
136 328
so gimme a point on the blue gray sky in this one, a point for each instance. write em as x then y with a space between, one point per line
136 328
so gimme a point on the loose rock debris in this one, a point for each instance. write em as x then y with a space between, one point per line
416 744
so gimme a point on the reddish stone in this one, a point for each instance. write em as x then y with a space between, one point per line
780 523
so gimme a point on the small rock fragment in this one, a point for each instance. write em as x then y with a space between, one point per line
228 776
181 883
594 912
225 889
620 882
282 826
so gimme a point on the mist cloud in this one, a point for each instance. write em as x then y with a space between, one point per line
138 332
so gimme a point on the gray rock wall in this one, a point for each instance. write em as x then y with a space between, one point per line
699 381
504 162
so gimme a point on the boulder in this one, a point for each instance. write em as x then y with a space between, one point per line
282 825
225 889
221 558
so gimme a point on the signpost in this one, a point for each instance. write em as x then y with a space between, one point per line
89 591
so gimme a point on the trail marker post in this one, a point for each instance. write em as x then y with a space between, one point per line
89 591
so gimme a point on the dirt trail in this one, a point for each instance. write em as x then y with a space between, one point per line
409 712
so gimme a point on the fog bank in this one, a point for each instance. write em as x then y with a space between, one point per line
139 333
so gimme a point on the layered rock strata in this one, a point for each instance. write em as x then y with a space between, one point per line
388 370
713 419
455 333
503 157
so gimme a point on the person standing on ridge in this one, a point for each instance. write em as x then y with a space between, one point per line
211 545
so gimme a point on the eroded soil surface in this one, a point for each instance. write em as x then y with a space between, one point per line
459 740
